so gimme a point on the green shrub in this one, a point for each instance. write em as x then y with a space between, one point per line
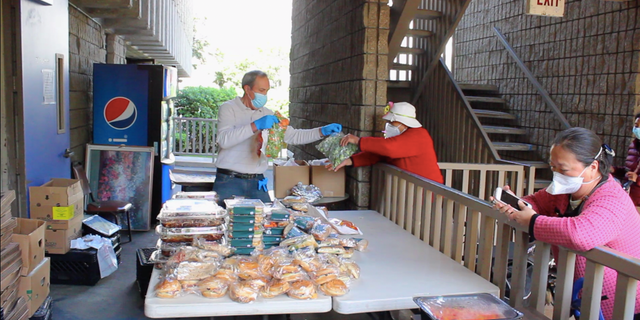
202 102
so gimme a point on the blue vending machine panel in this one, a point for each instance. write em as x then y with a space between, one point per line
121 105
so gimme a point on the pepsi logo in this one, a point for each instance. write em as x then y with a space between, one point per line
120 113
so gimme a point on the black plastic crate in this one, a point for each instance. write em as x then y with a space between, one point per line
44 311
144 268
77 267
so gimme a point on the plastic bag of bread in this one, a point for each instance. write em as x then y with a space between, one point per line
348 242
362 244
247 268
290 200
304 223
320 231
300 242
228 275
243 292
352 268
332 149
257 283
223 249
213 287
168 288
291 231
334 288
287 270
191 270
307 259
330 242
332 250
325 274
303 290
274 288
275 142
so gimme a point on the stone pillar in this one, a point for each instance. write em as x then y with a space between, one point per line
116 49
338 74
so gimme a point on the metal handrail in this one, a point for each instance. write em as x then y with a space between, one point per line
545 95
195 136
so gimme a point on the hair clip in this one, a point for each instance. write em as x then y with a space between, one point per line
608 150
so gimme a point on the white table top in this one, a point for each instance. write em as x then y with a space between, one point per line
398 266
192 305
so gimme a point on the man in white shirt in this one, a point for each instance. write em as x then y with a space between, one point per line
243 125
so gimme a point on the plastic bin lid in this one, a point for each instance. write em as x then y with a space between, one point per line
467 307
230 203
160 230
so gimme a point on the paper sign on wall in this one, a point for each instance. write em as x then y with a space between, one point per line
551 8
48 87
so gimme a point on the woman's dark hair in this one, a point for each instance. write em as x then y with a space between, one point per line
637 116
586 145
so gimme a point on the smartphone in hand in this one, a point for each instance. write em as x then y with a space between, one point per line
509 198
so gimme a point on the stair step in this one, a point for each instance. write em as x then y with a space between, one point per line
419 33
512 146
411 50
485 99
504 130
493 114
400 66
398 84
478 87
428 14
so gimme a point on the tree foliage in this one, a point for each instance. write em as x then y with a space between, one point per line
199 47
202 102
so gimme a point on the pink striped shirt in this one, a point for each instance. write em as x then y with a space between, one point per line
608 218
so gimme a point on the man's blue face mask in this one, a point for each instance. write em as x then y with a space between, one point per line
260 100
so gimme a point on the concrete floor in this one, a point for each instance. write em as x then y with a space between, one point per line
117 296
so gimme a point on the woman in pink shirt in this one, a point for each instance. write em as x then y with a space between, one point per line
583 208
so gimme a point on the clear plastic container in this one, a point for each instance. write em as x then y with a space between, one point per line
191 208
196 221
187 234
203 195
169 248
101 225
467 307
244 206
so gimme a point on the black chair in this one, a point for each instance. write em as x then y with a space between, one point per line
109 209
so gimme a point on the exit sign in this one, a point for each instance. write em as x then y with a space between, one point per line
552 8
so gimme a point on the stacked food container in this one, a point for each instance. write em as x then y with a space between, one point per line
245 224
183 220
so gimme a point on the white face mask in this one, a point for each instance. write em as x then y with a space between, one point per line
391 131
563 184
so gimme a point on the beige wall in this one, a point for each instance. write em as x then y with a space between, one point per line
587 61
338 73
88 44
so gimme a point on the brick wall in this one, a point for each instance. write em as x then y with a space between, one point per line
88 44
338 74
588 61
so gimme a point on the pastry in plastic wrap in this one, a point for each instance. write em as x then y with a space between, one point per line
248 269
332 149
213 287
320 231
362 244
243 292
352 268
332 250
222 249
302 289
325 275
189 286
288 272
228 275
275 288
190 270
334 288
168 288
275 142
348 252
299 242
257 283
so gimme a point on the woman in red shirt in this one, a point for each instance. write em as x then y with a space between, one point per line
406 145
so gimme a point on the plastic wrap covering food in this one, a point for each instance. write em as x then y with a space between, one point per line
247 268
244 207
288 271
325 274
275 288
169 248
300 242
332 149
203 195
191 208
302 289
334 288
291 231
310 192
213 287
188 234
275 142
482 306
220 246
320 231
243 292
168 287
291 200
332 250
282 215
305 223
352 268
190 221
101 225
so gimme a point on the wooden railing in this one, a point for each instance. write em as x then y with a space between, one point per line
195 136
471 232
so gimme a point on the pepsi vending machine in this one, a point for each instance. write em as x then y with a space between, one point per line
132 106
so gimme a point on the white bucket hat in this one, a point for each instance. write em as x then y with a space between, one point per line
402 112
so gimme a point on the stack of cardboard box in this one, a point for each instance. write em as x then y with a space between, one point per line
35 275
332 184
12 305
60 203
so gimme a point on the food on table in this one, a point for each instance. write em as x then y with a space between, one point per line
227 275
332 149
243 292
275 288
213 287
352 268
302 289
168 288
334 288
248 270
321 231
325 274
333 250
258 283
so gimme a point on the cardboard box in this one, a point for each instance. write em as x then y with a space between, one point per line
59 241
332 184
285 177
56 193
47 213
30 235
35 286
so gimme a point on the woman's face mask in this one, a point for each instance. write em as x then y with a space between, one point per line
391 131
636 132
562 183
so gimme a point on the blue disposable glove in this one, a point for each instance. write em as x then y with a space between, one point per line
331 128
262 185
266 122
